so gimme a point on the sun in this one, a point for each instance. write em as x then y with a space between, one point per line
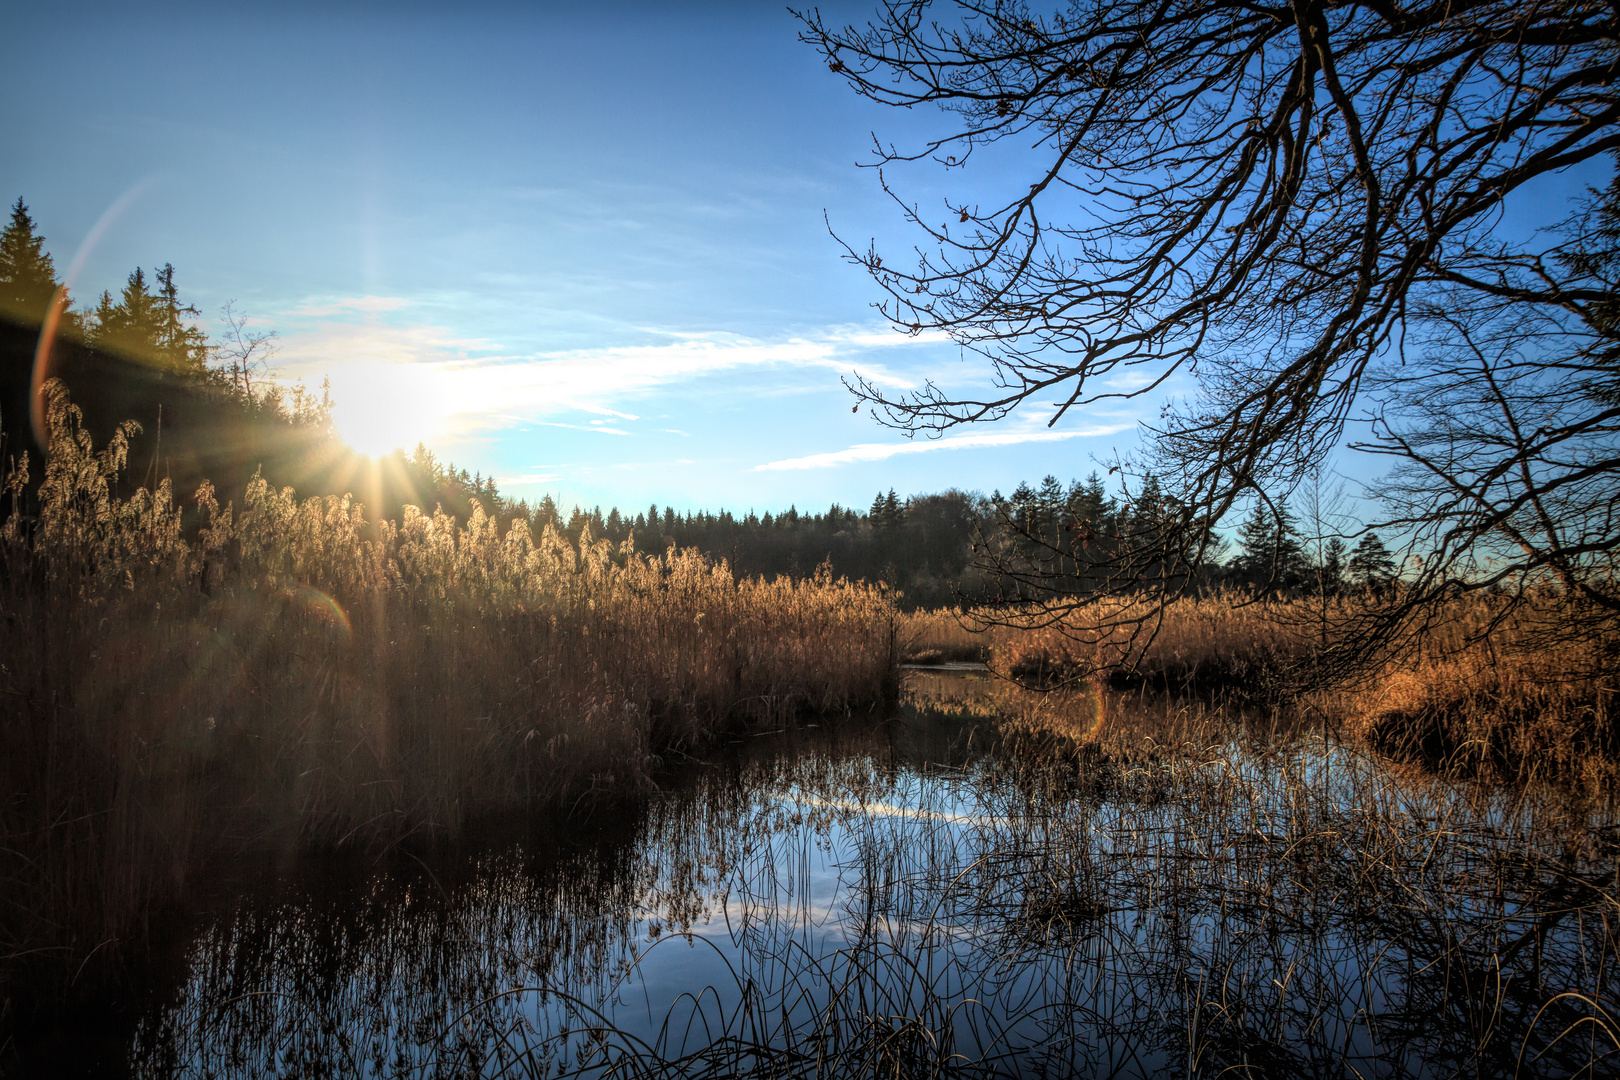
379 407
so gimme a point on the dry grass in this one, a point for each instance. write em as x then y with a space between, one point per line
1212 642
1510 706
292 673
1516 711
940 636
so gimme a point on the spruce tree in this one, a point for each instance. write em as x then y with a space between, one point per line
1270 556
893 513
128 327
1088 503
1371 566
152 326
1330 575
27 275
181 346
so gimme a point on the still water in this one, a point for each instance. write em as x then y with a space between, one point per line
919 897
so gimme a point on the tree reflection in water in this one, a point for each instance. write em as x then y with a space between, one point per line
918 900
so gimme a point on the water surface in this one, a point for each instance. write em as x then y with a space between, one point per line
917 897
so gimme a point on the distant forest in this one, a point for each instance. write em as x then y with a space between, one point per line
209 410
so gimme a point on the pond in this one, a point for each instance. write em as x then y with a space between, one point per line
925 896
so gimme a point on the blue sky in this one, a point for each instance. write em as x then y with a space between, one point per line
582 248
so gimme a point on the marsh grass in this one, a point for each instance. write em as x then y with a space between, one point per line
290 673
1475 691
940 636
1222 643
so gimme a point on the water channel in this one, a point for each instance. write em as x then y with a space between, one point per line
920 897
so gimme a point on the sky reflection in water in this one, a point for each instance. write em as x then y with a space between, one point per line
850 902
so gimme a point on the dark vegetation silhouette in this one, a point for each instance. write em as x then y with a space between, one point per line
1295 208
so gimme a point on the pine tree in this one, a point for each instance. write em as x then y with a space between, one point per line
1023 507
886 512
1148 510
181 345
27 275
1087 504
893 513
1330 575
1270 556
546 513
1371 566
152 327
1050 494
130 326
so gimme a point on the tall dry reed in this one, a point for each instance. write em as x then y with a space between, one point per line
291 672
940 636
1222 640
1476 688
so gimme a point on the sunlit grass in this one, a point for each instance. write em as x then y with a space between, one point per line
292 672
1506 704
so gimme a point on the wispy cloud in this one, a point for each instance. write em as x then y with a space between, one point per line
456 385
348 305
862 452
582 427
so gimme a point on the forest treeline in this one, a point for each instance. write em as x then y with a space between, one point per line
209 411
207 408
938 548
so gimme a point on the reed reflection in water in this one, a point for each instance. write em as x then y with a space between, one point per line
926 899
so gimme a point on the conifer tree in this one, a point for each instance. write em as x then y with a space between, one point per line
152 327
129 326
1270 557
893 513
1330 574
27 274
182 346
1371 565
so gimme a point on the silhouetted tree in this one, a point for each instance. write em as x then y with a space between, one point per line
1278 200
1371 566
27 273
244 356
1329 573
1270 557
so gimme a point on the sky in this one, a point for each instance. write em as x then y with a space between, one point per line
582 248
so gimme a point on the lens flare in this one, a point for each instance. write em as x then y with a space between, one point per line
322 606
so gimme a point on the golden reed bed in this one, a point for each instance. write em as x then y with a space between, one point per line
288 671
1512 706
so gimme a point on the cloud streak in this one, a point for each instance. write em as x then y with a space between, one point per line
863 452
459 385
